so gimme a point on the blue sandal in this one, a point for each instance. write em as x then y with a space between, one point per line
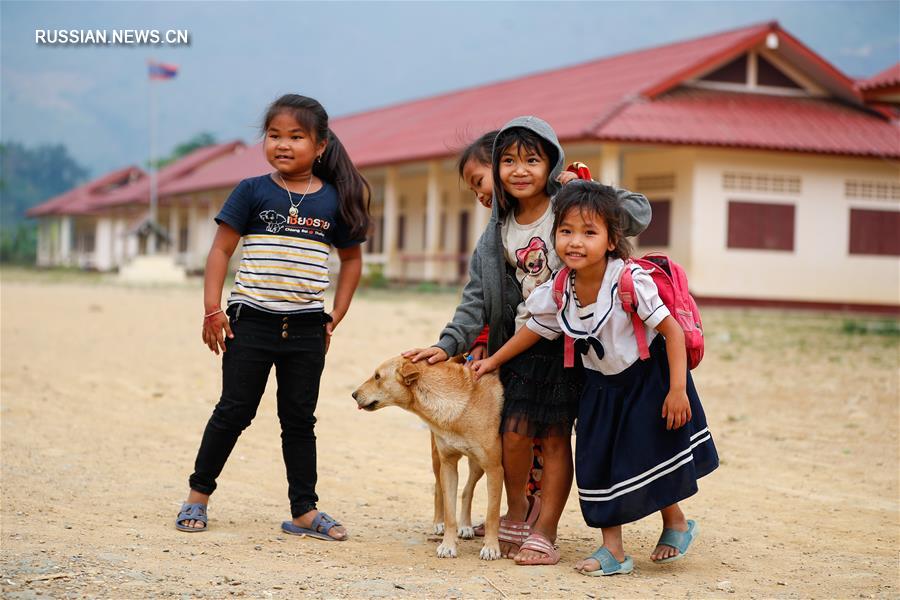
321 525
609 565
680 540
191 512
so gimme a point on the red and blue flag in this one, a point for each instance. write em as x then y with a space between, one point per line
162 71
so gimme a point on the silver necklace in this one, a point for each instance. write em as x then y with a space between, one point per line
293 209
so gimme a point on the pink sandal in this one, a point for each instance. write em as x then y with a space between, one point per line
538 542
516 532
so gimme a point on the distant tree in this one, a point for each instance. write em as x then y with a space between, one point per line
183 149
29 176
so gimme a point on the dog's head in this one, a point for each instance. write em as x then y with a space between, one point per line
389 386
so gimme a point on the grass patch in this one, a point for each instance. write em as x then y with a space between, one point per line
883 327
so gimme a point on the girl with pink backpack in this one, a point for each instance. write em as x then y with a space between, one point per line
641 434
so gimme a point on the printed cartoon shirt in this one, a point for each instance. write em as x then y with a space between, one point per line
611 347
284 260
529 248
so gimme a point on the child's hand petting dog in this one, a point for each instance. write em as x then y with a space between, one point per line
433 354
483 367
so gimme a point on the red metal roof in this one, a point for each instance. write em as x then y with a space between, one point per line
225 172
75 200
571 99
888 78
139 193
712 118
629 97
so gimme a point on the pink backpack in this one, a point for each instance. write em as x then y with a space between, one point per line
672 284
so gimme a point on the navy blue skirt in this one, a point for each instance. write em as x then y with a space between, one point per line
627 464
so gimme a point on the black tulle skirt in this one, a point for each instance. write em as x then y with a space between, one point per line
540 395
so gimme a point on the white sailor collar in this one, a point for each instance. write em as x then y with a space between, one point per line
607 297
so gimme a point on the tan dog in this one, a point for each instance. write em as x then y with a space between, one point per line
464 416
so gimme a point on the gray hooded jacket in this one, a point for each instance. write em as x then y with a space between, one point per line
490 297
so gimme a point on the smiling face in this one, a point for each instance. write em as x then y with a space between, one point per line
290 148
582 240
478 178
524 172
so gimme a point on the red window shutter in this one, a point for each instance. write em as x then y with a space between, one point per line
760 226
874 232
657 233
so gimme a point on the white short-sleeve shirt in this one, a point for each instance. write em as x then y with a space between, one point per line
602 319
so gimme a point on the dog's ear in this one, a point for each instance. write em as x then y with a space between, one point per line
409 373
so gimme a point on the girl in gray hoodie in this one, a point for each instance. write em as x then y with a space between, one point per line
514 255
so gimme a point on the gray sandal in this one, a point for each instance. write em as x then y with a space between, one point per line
191 512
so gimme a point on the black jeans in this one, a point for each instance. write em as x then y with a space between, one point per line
295 344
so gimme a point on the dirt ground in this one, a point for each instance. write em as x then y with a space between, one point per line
106 390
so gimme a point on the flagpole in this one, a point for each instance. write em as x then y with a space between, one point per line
151 240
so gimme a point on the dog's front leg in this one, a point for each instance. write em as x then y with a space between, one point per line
438 521
466 531
449 481
491 548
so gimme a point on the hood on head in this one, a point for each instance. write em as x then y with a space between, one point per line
542 129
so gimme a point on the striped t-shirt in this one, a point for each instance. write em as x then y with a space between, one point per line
283 265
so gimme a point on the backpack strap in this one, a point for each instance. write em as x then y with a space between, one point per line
628 297
559 286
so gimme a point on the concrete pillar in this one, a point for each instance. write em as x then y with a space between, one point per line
103 244
480 218
610 165
391 214
118 242
193 260
432 220
65 240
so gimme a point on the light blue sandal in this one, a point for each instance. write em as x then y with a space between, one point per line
191 512
609 565
680 540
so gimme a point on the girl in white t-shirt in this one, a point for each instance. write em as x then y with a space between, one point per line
642 439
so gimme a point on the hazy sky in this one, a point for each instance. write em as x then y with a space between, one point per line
352 56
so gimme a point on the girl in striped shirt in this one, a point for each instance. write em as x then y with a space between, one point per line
288 220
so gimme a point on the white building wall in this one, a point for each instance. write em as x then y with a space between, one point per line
820 268
658 164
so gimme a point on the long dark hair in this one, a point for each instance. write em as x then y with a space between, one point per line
335 166
523 138
590 197
479 150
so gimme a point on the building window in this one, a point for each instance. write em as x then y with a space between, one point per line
657 233
401 232
874 232
378 246
760 226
